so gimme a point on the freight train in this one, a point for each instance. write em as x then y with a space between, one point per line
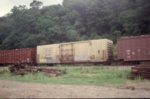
129 49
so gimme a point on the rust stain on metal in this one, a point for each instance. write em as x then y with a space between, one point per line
67 53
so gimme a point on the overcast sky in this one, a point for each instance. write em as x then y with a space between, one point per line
7 5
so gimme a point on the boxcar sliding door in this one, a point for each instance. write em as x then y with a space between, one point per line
67 53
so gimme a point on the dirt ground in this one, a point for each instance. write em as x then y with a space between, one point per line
12 89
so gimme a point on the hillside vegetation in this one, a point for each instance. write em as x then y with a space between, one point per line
73 20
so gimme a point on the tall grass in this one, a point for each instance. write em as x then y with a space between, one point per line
105 76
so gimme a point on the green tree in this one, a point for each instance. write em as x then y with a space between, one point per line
74 20
36 4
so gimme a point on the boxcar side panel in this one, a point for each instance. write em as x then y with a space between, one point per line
134 48
82 51
66 52
48 54
16 56
101 51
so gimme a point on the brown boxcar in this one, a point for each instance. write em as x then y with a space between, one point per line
135 48
18 56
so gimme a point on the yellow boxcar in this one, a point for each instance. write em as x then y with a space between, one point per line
101 50
76 52
48 54
82 51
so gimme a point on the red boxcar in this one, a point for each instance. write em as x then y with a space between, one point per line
22 56
134 48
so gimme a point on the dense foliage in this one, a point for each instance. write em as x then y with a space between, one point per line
72 21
